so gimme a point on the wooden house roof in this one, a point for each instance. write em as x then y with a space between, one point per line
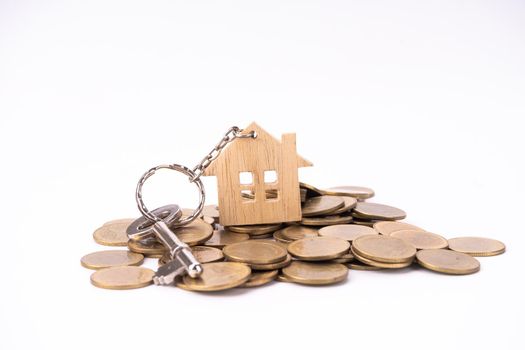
263 138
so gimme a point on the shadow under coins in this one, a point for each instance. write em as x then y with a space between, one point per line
242 291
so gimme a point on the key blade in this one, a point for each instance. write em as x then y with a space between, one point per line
167 273
191 264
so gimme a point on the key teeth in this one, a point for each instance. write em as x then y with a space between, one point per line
159 281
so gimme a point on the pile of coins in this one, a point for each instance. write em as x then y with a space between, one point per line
339 231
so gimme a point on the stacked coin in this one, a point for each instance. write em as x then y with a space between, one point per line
117 269
339 231
383 251
258 254
256 231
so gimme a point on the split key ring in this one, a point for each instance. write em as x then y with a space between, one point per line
182 259
179 168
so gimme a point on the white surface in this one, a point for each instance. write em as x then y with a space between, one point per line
419 100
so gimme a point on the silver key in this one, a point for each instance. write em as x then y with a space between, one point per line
182 260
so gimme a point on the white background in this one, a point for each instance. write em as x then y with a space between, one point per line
420 100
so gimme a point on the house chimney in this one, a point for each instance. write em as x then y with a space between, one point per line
288 142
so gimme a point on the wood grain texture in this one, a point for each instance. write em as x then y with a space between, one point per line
264 153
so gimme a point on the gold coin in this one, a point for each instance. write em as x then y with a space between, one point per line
349 204
384 265
476 246
218 276
327 220
318 248
315 273
180 284
201 253
357 265
376 211
255 252
154 255
303 192
265 236
282 278
186 212
321 205
211 210
295 232
352 191
254 230
223 237
345 259
150 248
207 254
447 261
111 258
112 234
346 232
127 221
209 220
273 266
361 222
195 233
311 191
260 278
361 217
421 239
278 236
122 277
280 244
383 249
387 227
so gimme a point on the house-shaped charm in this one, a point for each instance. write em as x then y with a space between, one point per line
258 179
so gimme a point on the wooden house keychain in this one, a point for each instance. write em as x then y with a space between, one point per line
257 184
259 190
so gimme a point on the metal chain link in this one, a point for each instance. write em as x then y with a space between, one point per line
232 134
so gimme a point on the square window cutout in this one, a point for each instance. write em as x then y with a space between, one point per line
270 176
247 195
246 178
271 195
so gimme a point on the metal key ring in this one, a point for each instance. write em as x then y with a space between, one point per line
181 169
141 228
